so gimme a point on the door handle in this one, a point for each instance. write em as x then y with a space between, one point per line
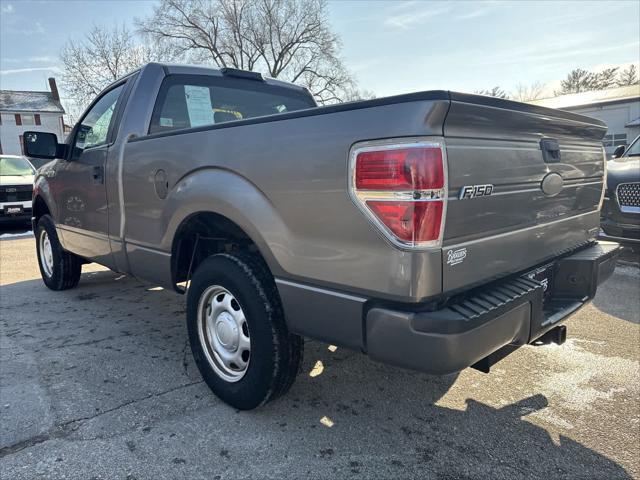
97 175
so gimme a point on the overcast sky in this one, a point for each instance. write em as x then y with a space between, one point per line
391 47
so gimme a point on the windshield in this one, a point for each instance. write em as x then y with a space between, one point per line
15 166
634 149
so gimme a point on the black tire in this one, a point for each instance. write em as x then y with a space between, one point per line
276 354
66 267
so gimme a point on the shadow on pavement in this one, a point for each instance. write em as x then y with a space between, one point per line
106 366
630 252
620 295
15 229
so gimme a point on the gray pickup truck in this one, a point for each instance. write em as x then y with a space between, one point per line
433 230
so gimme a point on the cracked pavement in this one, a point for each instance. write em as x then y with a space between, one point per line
98 383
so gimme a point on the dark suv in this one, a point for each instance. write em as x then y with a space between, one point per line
620 217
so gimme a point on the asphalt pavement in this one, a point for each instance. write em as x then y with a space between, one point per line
98 383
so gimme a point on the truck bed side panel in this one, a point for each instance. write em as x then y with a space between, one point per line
298 168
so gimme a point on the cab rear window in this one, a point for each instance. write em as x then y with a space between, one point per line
188 101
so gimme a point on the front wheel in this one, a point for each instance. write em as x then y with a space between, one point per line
237 331
60 269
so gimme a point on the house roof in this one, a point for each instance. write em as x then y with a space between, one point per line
17 101
584 99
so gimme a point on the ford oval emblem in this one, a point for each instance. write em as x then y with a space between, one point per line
552 184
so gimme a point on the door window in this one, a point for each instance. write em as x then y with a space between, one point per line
94 129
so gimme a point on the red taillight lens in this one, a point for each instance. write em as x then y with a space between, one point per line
402 188
418 168
410 221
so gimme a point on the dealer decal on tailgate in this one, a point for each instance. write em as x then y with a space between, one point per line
454 257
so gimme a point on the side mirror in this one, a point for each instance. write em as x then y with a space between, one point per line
619 151
41 145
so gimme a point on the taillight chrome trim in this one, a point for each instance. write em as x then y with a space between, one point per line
360 197
604 180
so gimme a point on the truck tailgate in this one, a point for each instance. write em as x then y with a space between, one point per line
539 203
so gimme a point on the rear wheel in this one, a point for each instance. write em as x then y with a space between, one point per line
60 269
237 331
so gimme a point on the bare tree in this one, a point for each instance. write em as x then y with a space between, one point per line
356 94
493 92
100 57
606 78
526 93
287 39
628 76
578 80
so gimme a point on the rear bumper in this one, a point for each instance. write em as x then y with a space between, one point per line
503 315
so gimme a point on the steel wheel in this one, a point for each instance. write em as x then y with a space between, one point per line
60 270
224 333
237 330
46 253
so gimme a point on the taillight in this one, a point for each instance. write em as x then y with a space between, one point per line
401 187
400 170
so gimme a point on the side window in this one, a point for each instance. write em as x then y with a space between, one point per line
174 113
94 128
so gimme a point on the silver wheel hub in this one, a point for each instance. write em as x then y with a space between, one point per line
224 333
46 253
227 332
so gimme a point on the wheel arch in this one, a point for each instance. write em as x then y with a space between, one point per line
229 202
39 208
43 202
202 234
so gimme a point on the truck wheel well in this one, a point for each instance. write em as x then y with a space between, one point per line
39 209
201 235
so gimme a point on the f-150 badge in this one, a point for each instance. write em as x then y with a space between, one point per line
471 191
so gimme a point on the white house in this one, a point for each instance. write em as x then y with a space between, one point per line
22 111
618 107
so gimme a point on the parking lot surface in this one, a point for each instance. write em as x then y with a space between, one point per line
98 382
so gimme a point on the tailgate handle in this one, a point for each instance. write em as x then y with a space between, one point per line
550 150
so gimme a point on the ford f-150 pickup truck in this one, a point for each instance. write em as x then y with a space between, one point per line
433 230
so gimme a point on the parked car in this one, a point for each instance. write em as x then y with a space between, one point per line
620 216
37 162
434 230
16 188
